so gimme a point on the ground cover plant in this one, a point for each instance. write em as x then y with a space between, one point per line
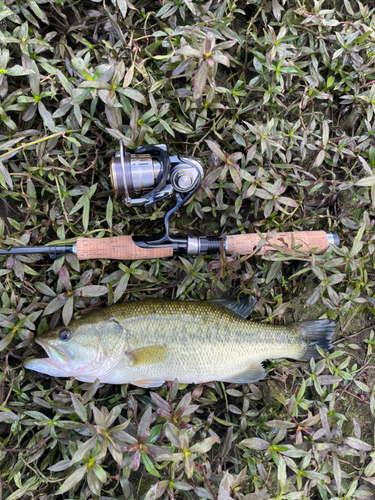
277 99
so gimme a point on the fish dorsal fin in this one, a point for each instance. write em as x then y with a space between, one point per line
243 307
252 374
147 355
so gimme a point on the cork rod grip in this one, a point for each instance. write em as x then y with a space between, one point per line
119 247
245 244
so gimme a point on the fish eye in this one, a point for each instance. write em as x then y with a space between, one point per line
65 334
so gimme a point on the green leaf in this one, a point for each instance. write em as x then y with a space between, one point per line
121 287
37 11
330 81
64 82
94 85
149 465
5 179
186 50
86 212
357 444
109 212
5 11
72 480
73 140
100 473
167 127
366 181
79 65
18 70
205 445
255 444
34 79
79 408
47 117
67 312
84 449
62 465
55 305
91 291
133 94
80 95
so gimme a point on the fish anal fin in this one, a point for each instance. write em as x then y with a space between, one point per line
147 355
252 374
243 307
148 382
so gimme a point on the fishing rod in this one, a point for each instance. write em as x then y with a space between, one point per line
146 175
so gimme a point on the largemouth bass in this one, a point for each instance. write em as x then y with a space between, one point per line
146 343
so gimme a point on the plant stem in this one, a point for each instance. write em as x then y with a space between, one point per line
37 141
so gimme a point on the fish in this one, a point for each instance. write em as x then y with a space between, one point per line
149 342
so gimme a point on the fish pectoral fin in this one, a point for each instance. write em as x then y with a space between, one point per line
147 355
148 382
252 374
243 307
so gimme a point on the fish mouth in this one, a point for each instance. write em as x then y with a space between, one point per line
56 357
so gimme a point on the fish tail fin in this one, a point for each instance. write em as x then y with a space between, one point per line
315 334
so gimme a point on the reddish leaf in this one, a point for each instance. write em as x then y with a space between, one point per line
65 278
200 80
136 459
216 150
209 43
55 304
68 311
144 425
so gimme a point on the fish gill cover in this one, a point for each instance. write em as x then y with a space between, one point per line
277 99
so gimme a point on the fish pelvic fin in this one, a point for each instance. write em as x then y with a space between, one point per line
148 382
242 307
252 374
315 334
147 355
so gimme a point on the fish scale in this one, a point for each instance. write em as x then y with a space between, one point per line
146 343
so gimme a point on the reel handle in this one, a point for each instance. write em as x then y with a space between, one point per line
245 244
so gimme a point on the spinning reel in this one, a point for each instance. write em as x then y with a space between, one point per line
149 174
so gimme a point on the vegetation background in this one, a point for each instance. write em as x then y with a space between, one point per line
277 98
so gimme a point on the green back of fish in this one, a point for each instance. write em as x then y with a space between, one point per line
191 325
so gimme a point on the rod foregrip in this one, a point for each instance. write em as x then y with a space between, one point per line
119 247
245 244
